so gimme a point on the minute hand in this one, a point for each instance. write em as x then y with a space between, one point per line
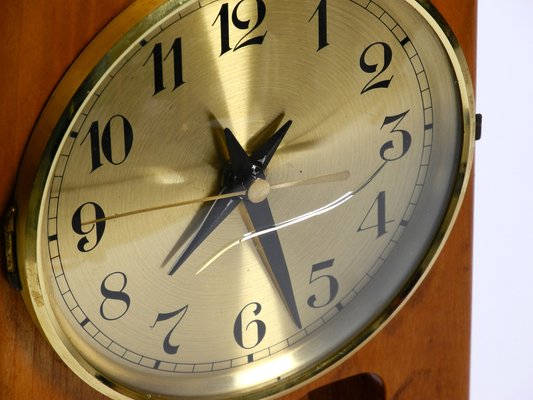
268 246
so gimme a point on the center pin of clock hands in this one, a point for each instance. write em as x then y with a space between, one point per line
281 225
241 173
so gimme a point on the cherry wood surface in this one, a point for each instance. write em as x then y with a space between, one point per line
423 353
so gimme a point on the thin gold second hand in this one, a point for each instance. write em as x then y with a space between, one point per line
334 177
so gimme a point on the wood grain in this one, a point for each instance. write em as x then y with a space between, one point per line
422 354
41 38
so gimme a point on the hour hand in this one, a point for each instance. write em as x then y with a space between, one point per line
219 211
264 154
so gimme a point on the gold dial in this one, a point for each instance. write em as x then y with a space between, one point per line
240 191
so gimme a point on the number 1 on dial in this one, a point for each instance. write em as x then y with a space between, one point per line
321 13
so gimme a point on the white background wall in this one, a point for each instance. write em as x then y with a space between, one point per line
502 341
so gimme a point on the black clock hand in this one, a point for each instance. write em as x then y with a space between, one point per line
264 154
271 252
234 181
246 167
242 171
241 165
269 245
218 212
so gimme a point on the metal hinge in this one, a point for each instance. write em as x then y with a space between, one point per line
10 249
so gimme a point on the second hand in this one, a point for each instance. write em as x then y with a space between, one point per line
335 177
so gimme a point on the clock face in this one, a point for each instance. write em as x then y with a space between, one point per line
247 188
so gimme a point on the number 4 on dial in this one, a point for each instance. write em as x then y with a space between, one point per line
376 212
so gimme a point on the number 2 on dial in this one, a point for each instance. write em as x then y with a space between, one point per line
370 68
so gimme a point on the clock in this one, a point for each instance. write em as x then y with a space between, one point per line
233 195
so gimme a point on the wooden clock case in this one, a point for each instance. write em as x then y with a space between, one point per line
423 353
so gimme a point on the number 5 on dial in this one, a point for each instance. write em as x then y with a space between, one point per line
333 284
